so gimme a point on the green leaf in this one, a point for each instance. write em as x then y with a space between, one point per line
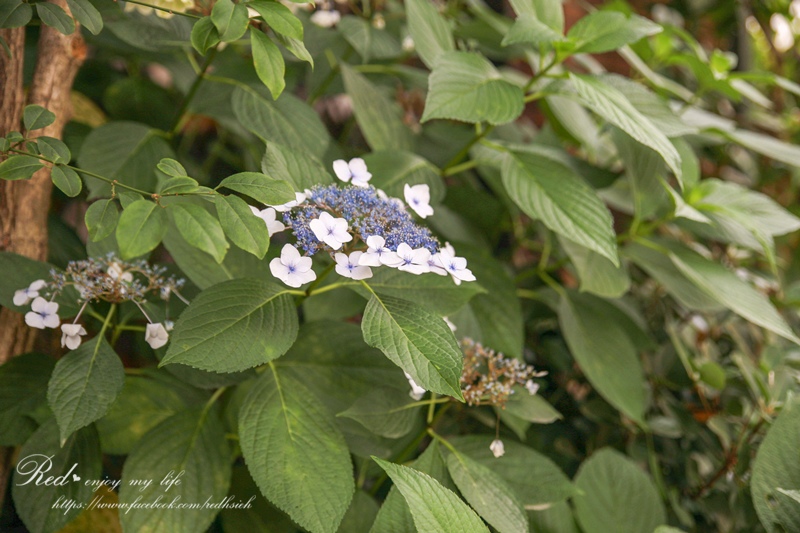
67 180
125 151
55 17
535 479
393 168
87 14
268 62
101 219
531 408
141 227
603 31
84 384
613 106
53 149
617 496
15 14
146 400
466 86
200 229
434 507
332 359
395 515
417 341
658 265
230 19
23 383
296 48
252 321
79 456
287 121
726 288
598 275
370 42
171 168
260 187
36 117
279 18
497 505
295 452
431 32
301 169
19 167
776 472
547 189
242 227
388 415
378 116
766 145
605 352
437 294
178 185
529 29
204 35
191 445
549 12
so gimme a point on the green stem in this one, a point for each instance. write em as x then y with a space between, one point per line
106 323
210 402
330 287
654 466
441 439
431 408
460 168
552 283
192 91
464 152
159 8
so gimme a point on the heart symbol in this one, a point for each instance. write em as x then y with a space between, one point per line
75 477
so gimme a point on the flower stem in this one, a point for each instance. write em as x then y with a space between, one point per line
159 8
192 91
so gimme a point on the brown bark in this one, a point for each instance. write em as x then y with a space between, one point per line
24 204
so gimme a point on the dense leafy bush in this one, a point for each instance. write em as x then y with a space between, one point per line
388 266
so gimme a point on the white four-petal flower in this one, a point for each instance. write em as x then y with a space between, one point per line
350 267
43 315
269 215
291 268
418 198
455 266
378 254
413 260
331 231
299 198
354 172
71 335
532 387
23 296
156 335
417 392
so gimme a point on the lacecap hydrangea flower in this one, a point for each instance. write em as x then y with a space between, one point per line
361 228
106 279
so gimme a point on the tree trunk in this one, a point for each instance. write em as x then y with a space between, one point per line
24 205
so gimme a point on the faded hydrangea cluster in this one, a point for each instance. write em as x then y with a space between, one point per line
361 228
99 279
488 377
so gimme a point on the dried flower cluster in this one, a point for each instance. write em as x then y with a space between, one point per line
106 279
489 377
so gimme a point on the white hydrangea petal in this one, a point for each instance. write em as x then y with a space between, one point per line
39 304
278 269
36 285
497 448
342 169
156 335
21 297
34 320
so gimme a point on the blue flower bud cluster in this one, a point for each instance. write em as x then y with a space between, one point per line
367 214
